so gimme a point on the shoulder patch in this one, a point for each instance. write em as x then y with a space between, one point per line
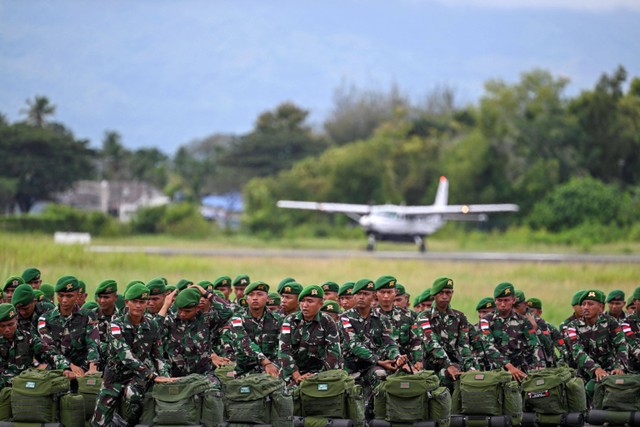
42 323
236 322
115 330
286 328
346 323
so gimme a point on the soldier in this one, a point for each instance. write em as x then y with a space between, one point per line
223 284
10 286
345 296
451 329
29 310
540 326
157 294
509 340
485 306
402 322
106 295
239 285
369 348
577 314
631 305
48 292
596 341
332 309
551 338
71 331
615 301
289 298
256 333
134 360
331 290
18 349
309 339
82 296
631 329
402 297
274 301
424 300
31 277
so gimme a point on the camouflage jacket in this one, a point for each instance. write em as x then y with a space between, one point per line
75 337
631 330
223 342
511 340
104 330
18 354
309 346
367 340
481 360
405 332
451 329
187 345
30 324
219 314
134 351
255 339
601 345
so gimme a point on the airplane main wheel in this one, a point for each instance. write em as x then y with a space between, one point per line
422 246
371 242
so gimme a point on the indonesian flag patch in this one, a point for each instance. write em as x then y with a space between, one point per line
426 326
286 328
484 326
346 324
115 330
236 322
571 333
41 323
626 328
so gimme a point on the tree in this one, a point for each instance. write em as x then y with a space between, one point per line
39 109
115 158
150 165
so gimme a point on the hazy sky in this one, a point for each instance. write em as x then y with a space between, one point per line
163 73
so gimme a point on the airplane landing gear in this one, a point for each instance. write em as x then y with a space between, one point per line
371 242
422 246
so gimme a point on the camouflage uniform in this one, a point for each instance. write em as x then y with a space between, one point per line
255 339
450 328
309 346
104 330
135 359
631 330
511 340
404 332
75 337
17 355
30 324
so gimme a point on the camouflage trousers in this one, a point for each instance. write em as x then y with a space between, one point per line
129 397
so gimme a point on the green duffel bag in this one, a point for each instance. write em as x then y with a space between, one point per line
89 387
35 395
618 393
226 373
491 393
554 391
405 397
324 394
180 402
72 410
5 404
258 399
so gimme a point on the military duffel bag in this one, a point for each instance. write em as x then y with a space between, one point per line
258 399
409 398
35 395
89 387
618 393
554 391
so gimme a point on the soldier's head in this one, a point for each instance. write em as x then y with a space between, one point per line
82 295
8 321
575 303
223 284
136 298
345 296
504 296
257 294
311 300
273 301
364 293
157 293
205 303
635 299
240 283
187 303
616 302
24 301
424 300
289 296
68 293
485 306
535 306
332 308
386 291
631 305
331 290
520 305
107 295
592 302
10 286
31 276
442 292
402 297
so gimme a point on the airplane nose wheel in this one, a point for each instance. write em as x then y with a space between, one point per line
422 246
371 242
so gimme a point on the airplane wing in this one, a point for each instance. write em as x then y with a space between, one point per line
456 209
346 208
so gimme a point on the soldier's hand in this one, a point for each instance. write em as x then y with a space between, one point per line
401 360
453 371
160 379
600 374
271 369
417 366
93 369
198 287
617 372
389 365
69 374
219 360
42 366
516 373
77 370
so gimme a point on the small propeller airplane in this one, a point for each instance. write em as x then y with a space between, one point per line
404 223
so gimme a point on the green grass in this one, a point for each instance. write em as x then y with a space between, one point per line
553 283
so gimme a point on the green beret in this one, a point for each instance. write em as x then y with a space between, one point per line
131 283
615 295
90 305
7 312
385 282
629 301
30 274
157 286
13 282
137 291
292 288
108 286
593 295
206 285
346 289
120 302
424 296
416 300
330 307
534 303
364 285
274 299
243 302
575 299
183 284
188 298
82 286
222 282
314 291
38 295
67 284
23 295
330 287
636 293
400 290
170 288
241 280
485 303
284 282
256 286
504 289
520 297
47 290
441 283
219 293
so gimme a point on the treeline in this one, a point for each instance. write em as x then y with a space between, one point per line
571 163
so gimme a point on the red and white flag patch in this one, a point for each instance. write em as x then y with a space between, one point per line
626 328
115 330
484 326
236 322
41 323
286 328
571 333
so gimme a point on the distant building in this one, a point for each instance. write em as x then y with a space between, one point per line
225 209
117 198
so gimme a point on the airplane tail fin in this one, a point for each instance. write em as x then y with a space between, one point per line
442 195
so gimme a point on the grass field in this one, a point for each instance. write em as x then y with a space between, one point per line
553 283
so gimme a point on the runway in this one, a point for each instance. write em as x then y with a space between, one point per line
394 255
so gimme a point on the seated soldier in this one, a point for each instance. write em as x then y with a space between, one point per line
29 310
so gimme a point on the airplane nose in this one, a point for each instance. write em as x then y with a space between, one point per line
365 221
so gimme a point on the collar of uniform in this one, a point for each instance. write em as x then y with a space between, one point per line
74 310
298 315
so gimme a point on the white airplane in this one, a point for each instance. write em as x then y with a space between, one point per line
404 223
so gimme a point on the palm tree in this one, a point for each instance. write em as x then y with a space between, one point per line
39 108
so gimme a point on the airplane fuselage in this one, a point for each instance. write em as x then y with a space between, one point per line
393 224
